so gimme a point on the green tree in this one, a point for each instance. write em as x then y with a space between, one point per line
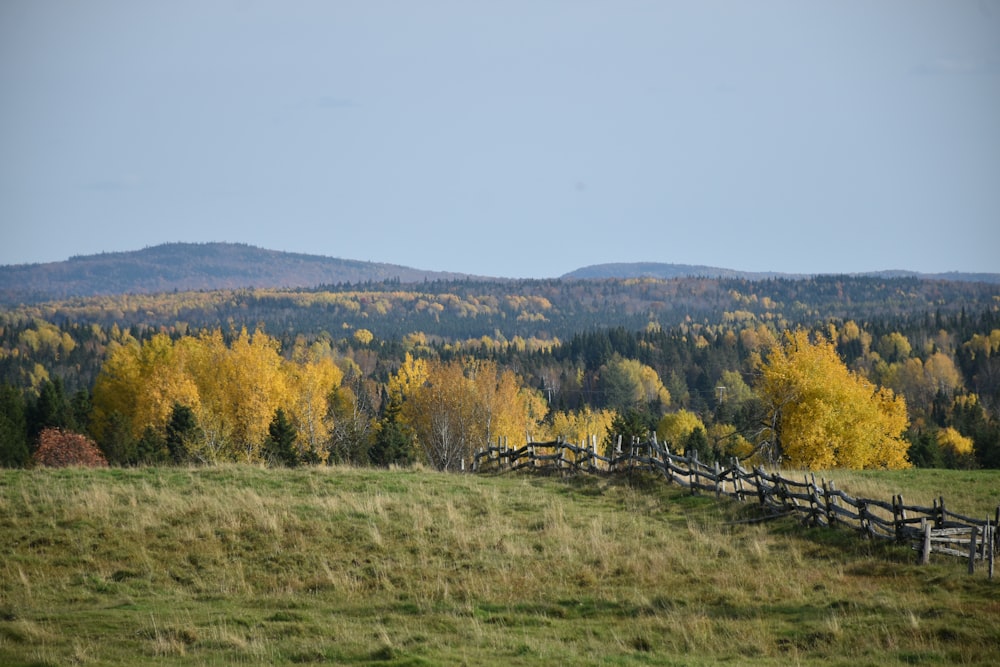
151 448
677 386
696 442
182 433
631 426
924 451
49 410
393 443
279 448
117 443
628 384
14 452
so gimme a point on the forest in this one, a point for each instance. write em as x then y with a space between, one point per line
794 372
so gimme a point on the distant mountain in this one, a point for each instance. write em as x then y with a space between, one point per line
191 266
210 266
668 271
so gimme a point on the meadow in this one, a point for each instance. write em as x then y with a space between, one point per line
255 566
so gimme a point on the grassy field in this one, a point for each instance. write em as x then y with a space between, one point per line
244 565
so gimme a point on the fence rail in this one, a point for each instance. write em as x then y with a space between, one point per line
927 529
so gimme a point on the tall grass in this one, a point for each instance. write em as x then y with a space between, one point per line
244 565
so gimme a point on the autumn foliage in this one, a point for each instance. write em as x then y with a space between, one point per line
233 390
822 415
59 448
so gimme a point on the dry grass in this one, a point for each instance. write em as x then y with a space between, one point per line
251 566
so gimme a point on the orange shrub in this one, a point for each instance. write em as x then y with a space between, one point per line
58 448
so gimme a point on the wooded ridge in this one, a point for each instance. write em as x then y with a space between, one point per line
192 266
213 266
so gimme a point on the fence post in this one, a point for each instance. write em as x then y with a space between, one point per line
940 516
693 468
831 502
718 481
990 546
925 551
738 480
863 516
899 518
813 506
972 549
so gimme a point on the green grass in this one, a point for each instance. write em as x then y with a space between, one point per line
244 565
973 493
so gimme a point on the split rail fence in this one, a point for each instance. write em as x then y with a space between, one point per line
927 529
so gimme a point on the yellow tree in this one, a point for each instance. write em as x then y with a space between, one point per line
457 407
441 411
821 415
920 381
116 389
142 383
954 443
311 378
233 390
675 427
505 409
578 427
408 377
240 387
252 373
207 363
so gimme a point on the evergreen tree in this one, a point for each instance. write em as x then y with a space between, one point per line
697 443
14 451
924 451
80 407
632 425
182 431
279 448
151 448
49 410
392 439
117 443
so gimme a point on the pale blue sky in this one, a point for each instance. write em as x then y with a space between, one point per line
508 138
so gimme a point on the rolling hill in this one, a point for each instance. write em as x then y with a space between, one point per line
192 266
211 266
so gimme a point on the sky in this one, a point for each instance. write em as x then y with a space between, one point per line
522 138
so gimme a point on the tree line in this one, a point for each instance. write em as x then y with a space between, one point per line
155 378
787 397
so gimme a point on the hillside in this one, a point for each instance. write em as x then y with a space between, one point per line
191 266
255 566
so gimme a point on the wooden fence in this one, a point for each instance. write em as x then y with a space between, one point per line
927 529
